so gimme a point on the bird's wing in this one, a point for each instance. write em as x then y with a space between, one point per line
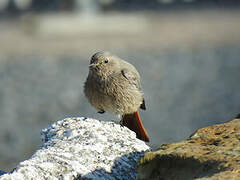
132 77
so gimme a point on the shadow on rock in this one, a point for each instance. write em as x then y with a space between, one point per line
120 170
175 167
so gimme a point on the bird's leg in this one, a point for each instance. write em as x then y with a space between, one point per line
121 122
101 111
117 121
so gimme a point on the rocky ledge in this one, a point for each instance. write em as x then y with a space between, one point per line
83 148
211 153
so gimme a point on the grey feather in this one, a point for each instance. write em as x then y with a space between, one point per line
132 77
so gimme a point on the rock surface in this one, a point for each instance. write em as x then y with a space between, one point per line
210 153
82 148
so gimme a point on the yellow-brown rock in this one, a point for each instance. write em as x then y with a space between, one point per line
211 153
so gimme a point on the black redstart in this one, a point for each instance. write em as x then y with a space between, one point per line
113 85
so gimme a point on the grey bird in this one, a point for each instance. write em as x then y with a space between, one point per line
113 85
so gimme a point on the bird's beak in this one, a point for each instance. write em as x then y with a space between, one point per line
93 65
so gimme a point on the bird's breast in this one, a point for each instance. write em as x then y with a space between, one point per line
113 94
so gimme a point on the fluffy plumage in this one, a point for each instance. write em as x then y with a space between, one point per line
113 85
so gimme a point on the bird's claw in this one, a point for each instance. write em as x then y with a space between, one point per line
121 123
101 111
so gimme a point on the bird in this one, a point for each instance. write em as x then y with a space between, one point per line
113 86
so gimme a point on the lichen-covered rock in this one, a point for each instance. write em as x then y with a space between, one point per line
211 153
82 148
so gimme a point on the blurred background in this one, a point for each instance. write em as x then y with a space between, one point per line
187 52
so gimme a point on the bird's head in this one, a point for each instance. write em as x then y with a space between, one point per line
103 62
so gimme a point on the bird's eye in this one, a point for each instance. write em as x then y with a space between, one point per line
106 61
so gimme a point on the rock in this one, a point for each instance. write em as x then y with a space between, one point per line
83 148
210 153
238 116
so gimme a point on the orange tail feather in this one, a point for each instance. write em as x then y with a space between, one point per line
134 123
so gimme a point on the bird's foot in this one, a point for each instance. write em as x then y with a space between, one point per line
101 111
121 123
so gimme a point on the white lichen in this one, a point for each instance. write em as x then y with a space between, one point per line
83 148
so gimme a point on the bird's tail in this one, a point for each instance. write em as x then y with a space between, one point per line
134 123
